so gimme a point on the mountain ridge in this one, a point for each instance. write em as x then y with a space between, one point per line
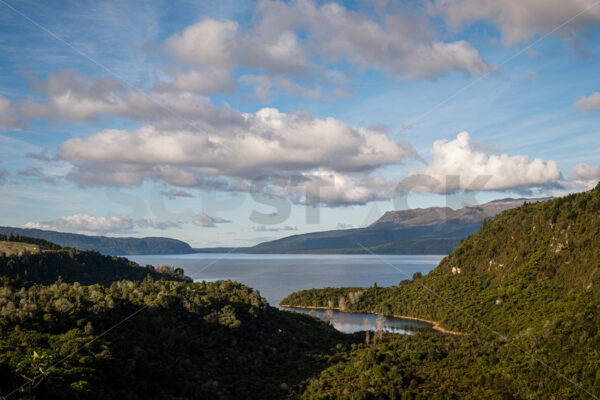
433 230
104 244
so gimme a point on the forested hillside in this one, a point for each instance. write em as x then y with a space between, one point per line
527 286
524 291
433 230
103 244
77 324
84 267
174 340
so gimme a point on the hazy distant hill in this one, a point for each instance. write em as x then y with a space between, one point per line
106 245
433 230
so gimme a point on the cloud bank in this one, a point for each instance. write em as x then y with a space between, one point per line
584 177
457 165
287 36
521 20
86 224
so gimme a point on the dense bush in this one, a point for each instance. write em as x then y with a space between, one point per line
526 286
185 340
85 267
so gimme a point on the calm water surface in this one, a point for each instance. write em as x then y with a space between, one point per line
354 322
276 276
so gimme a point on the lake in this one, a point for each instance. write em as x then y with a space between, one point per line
354 322
277 275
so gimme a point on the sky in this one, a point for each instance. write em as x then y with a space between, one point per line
228 123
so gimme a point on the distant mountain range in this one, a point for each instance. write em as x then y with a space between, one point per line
433 230
106 245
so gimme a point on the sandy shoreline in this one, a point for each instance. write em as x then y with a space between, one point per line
434 325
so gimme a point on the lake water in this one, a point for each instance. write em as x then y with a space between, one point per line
354 322
277 275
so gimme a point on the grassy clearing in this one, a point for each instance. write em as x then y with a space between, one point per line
18 248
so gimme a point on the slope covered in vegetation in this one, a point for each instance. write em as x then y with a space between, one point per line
77 324
104 244
84 267
174 340
527 286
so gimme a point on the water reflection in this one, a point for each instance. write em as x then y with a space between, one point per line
354 322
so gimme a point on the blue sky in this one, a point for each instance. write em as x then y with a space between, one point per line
167 119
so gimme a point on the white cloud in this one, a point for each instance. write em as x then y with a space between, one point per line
457 165
74 97
208 80
286 37
156 224
264 86
586 172
583 177
401 44
220 45
265 143
189 142
591 102
8 115
206 221
334 189
520 20
207 43
87 224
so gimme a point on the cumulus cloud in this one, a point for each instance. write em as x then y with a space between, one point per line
174 193
286 38
520 20
401 44
220 45
265 86
207 80
189 142
87 224
264 143
586 172
457 165
8 115
335 189
156 224
583 177
206 221
74 97
206 43
591 102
